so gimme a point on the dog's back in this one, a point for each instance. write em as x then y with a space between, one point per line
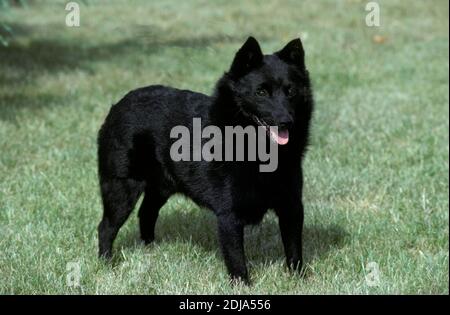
136 131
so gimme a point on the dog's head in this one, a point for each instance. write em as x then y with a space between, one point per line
271 90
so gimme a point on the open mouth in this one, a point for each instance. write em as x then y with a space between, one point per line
277 135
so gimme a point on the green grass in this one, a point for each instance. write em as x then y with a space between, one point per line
376 173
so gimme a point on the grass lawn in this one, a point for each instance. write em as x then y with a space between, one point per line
377 178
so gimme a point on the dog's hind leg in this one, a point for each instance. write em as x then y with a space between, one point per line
119 198
148 214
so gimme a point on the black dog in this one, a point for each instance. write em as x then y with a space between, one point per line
134 146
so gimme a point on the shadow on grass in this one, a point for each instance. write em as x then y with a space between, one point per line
55 55
11 104
24 63
262 242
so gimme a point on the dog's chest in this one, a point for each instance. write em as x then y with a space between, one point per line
255 197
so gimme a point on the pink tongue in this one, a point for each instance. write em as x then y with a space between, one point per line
281 136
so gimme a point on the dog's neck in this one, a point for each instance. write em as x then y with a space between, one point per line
224 109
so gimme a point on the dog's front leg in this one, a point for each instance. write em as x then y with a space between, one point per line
231 238
290 218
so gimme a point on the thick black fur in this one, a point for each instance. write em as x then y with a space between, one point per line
134 145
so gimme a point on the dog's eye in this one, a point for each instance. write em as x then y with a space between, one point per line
291 92
262 92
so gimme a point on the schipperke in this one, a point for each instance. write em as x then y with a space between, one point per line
134 146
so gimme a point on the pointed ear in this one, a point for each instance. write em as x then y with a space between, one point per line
293 53
247 58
